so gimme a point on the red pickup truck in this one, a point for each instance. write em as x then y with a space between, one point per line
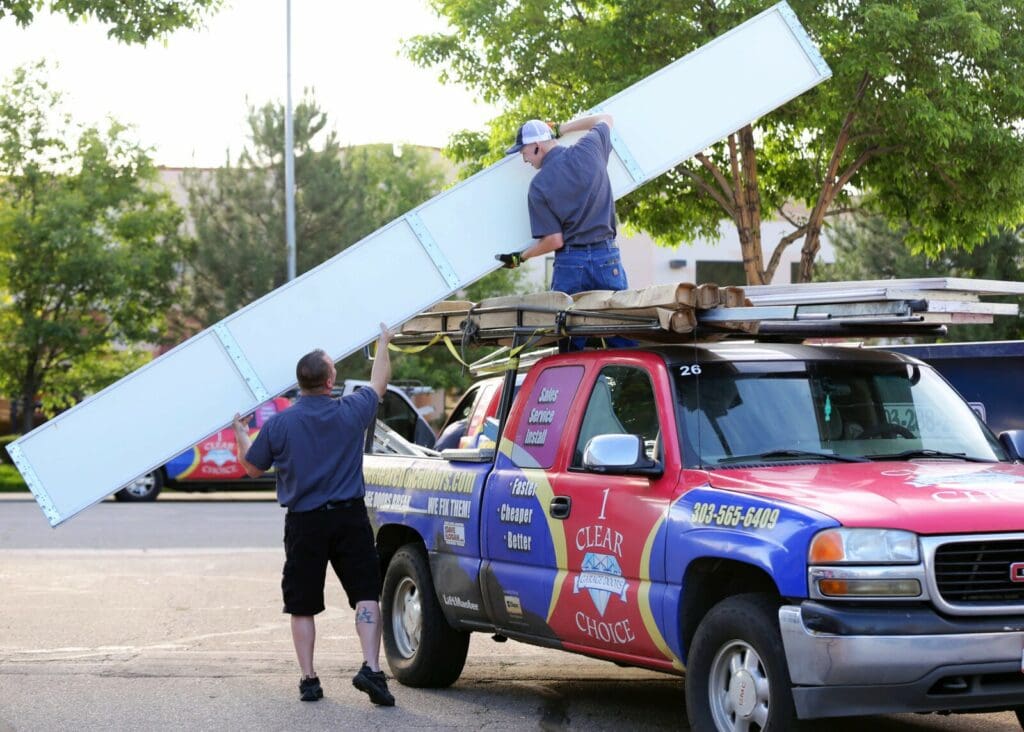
805 531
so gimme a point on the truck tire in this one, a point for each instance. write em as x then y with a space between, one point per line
421 648
736 675
143 488
1020 716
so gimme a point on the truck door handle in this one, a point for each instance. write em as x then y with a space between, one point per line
560 507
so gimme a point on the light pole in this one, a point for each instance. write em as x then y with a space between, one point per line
289 154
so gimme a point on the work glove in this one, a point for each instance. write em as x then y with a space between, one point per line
510 261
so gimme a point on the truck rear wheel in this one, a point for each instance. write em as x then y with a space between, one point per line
421 648
736 675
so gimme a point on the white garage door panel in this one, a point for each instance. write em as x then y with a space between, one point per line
338 305
139 423
482 216
622 181
722 86
133 426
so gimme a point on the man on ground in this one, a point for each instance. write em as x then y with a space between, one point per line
316 446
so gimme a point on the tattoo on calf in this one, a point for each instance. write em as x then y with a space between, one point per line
364 616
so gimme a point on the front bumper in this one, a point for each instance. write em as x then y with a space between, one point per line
857 661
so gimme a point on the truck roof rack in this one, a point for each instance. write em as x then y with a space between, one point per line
684 312
505 357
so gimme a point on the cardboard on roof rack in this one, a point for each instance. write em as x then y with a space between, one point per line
665 312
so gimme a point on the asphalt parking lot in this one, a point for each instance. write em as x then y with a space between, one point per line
167 616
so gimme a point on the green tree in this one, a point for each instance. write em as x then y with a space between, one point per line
130 21
921 122
89 246
342 194
870 249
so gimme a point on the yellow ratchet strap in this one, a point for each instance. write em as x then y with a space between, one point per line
439 338
511 362
451 349
405 349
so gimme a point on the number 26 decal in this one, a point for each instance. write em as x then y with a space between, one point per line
689 370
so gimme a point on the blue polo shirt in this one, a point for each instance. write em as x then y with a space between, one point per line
316 446
571 193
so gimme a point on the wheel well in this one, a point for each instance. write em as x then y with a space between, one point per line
390 539
709 581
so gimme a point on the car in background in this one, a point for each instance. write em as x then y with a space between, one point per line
212 463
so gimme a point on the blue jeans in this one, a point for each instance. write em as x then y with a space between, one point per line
594 267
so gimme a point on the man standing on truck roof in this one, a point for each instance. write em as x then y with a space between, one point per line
316 447
572 210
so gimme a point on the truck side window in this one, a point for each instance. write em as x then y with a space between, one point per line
465 406
539 431
398 415
621 402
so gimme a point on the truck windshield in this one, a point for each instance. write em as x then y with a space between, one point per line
756 412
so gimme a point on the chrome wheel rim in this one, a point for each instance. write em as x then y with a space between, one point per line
407 618
738 688
142 487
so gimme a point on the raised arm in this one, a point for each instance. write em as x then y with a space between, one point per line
380 373
244 442
582 124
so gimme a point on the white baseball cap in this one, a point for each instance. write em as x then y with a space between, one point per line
532 131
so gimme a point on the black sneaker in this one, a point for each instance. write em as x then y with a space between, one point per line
375 684
310 689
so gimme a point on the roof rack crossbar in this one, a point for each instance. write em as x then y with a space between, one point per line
667 313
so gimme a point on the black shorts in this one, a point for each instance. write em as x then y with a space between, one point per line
341 536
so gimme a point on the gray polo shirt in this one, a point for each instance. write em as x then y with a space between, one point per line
571 192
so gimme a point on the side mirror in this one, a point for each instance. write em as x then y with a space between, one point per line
1013 442
620 455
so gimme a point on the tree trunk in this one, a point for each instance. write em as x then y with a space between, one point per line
30 384
28 408
831 185
808 253
748 205
739 197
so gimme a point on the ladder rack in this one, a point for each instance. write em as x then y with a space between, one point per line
683 313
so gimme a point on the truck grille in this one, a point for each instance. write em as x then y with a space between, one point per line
979 571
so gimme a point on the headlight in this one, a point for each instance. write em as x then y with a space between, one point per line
864 546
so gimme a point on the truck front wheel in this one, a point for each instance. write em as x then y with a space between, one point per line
736 675
421 648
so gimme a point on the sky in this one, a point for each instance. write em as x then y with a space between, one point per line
187 98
